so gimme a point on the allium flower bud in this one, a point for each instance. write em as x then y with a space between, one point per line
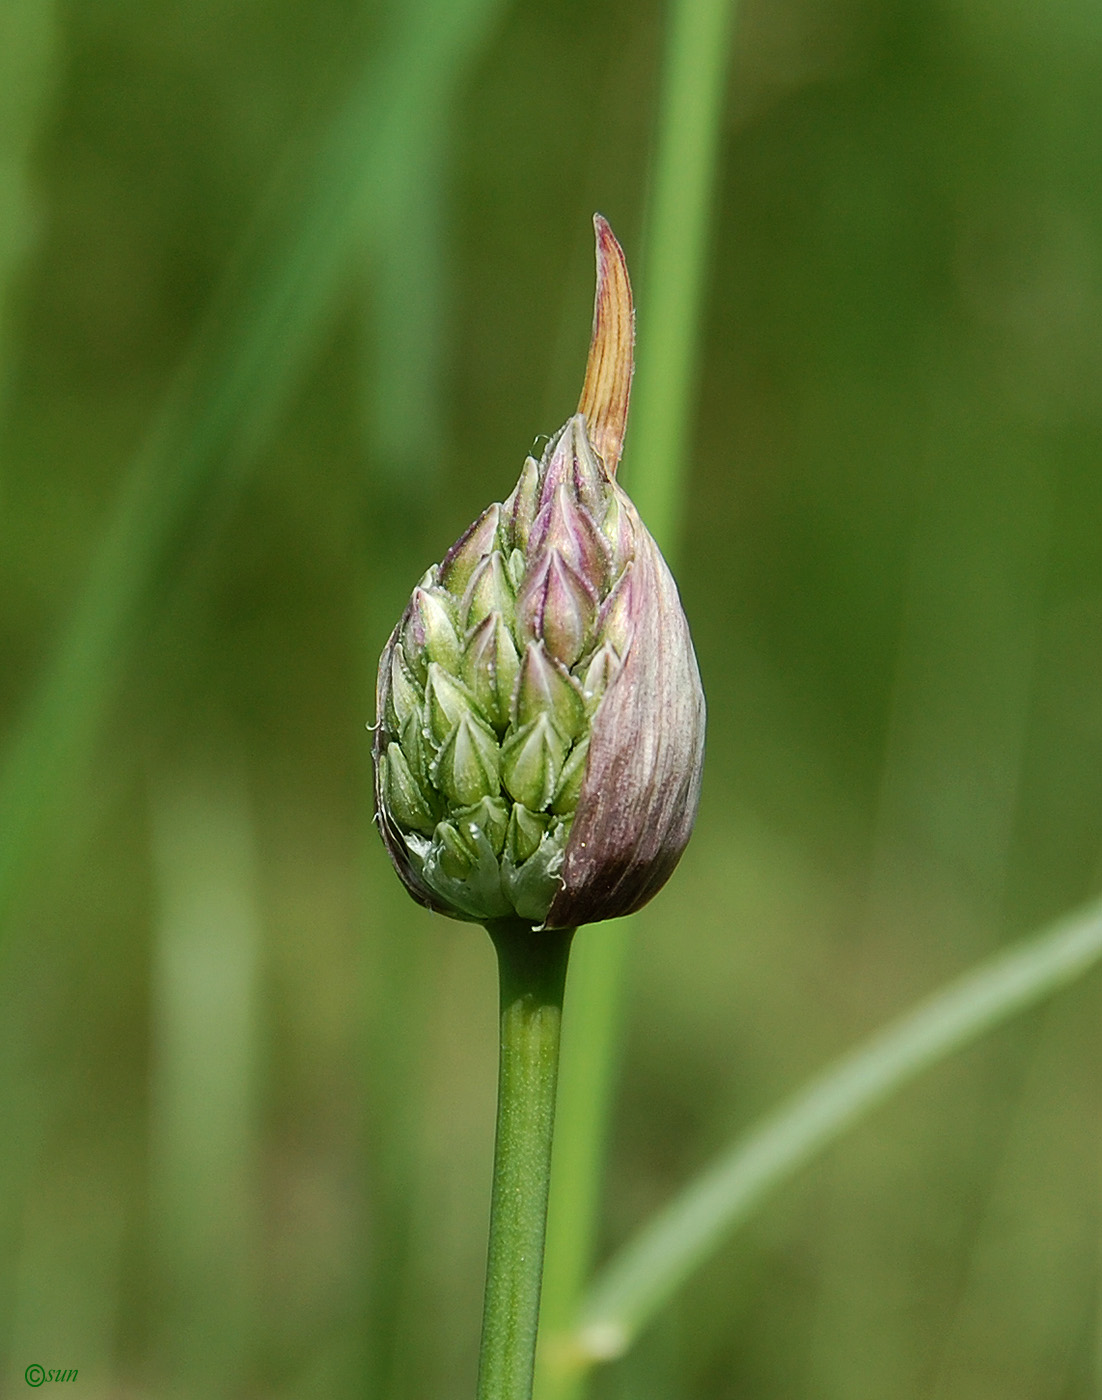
540 726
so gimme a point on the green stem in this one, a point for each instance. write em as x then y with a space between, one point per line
587 1081
532 969
641 1278
697 58
698 52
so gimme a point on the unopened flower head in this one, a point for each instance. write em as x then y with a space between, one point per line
540 726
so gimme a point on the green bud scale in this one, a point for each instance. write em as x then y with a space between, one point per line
540 724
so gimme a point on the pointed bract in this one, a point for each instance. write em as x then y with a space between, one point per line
526 831
564 526
469 550
403 792
558 606
598 673
491 667
468 765
447 701
405 694
611 362
520 509
531 763
546 687
430 631
490 590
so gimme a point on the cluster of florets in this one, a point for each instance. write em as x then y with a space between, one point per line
490 684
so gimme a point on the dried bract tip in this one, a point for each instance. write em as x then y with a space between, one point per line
540 728
611 363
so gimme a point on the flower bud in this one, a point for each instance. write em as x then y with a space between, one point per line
540 721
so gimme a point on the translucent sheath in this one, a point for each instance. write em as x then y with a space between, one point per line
540 720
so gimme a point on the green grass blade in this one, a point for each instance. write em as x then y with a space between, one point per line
404 437
403 411
675 252
205 1089
648 1270
253 343
675 259
587 1076
27 72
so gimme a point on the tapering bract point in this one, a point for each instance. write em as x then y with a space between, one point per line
611 363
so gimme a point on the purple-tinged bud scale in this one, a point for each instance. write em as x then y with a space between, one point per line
540 721
546 687
558 606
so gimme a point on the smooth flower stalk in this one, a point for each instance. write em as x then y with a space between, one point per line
539 739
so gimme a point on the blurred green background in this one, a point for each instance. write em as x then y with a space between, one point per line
286 292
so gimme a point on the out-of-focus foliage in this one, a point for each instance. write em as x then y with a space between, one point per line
245 1084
